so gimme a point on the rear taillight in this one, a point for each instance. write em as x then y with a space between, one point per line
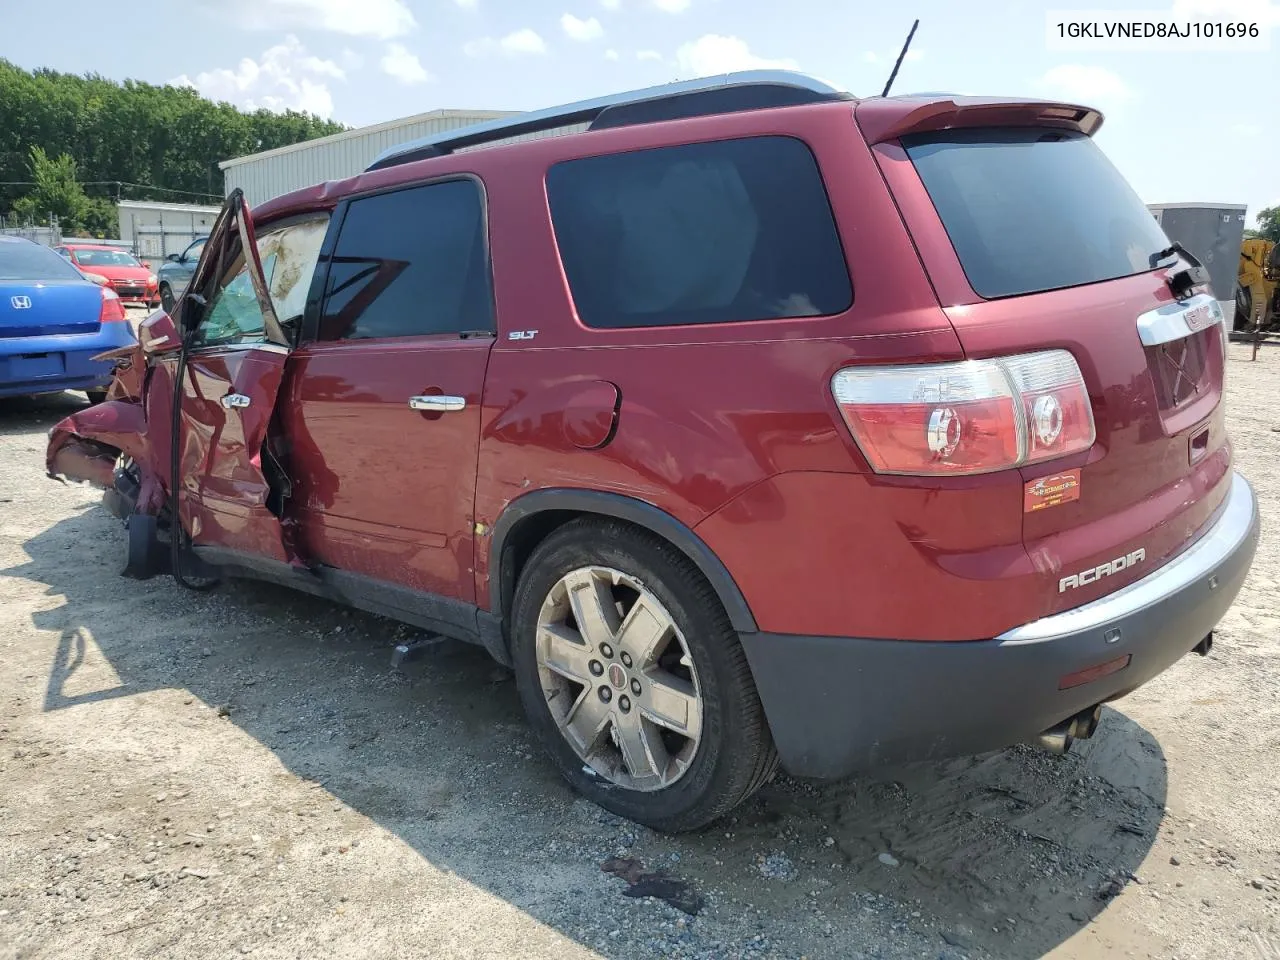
976 416
112 307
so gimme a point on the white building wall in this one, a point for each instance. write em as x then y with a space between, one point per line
269 174
155 230
263 176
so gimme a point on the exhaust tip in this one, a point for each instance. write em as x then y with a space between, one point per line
1082 726
1055 740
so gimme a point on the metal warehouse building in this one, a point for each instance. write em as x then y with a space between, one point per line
155 230
268 174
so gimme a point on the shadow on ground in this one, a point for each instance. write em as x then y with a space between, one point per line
1010 853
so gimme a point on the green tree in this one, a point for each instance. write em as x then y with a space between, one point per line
1269 224
130 140
101 219
55 192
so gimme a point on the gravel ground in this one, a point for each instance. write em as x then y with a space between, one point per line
243 772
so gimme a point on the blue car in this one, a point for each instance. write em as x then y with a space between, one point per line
53 322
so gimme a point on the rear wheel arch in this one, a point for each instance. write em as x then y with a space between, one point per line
531 518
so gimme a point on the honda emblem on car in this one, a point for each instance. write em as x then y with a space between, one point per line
20 303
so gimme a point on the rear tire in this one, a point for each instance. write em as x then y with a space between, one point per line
166 298
1244 309
691 667
96 396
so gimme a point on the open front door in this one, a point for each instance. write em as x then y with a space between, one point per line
235 363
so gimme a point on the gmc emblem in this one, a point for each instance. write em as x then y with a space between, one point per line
1093 575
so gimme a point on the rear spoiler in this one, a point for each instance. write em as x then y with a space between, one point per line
889 118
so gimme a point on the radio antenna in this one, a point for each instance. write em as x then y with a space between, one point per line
893 76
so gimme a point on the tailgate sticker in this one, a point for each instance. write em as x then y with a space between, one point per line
1051 491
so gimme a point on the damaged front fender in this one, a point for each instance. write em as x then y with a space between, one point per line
110 428
86 445
88 460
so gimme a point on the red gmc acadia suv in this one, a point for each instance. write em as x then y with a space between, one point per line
749 422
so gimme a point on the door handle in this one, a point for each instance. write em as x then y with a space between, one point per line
235 401
437 404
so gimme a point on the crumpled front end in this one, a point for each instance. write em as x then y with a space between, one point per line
92 444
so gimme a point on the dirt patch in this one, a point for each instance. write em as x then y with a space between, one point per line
243 772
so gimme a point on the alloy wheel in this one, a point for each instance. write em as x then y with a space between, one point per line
618 678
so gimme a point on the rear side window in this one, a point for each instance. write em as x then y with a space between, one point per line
1032 209
702 233
410 263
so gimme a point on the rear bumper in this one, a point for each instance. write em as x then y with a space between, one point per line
839 705
30 365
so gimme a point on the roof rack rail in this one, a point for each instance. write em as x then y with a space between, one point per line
726 93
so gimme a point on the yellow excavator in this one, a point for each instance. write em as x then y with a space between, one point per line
1258 286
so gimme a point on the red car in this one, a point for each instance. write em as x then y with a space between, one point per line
754 424
129 277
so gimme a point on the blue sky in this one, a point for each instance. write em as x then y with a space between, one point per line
1182 126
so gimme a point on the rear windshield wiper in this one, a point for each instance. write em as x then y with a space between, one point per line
1182 282
1176 247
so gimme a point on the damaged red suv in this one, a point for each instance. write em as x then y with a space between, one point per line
753 424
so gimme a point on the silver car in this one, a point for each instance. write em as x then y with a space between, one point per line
176 272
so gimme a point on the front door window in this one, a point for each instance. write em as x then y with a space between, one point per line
288 255
234 316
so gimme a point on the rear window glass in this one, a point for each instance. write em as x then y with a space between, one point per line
702 233
23 260
1033 209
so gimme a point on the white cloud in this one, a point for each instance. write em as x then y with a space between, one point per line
672 6
648 55
611 55
524 41
1089 85
582 30
285 78
1249 130
351 60
380 19
712 54
403 64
